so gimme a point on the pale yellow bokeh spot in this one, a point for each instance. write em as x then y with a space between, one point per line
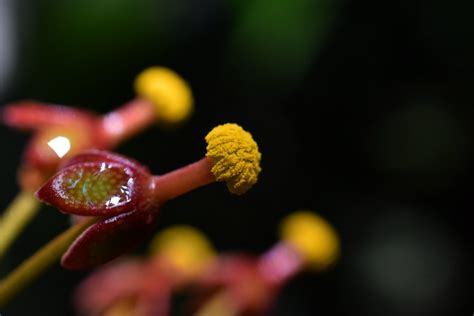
169 93
235 155
313 237
185 247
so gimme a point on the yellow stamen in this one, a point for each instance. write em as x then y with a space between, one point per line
168 92
313 237
235 155
185 247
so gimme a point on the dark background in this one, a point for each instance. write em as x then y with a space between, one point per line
362 111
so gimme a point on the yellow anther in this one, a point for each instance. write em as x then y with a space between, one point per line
235 155
168 92
313 237
121 307
185 247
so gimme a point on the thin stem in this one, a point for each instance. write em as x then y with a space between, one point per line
38 262
183 180
128 120
17 215
280 263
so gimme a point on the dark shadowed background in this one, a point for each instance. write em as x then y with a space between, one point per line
362 109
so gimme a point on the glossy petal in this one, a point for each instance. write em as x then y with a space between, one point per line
30 114
108 239
95 188
95 155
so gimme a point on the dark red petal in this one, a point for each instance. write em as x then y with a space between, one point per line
108 239
94 188
30 114
95 155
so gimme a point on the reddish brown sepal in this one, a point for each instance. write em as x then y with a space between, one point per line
108 239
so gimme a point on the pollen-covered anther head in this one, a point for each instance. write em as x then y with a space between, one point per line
185 247
236 157
313 237
167 91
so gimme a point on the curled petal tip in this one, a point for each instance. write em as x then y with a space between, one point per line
236 157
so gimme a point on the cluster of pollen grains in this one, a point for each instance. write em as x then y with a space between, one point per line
236 157
102 187
169 93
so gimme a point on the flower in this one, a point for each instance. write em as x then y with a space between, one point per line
61 132
144 286
126 198
114 189
238 284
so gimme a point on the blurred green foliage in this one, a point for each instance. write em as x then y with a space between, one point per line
274 42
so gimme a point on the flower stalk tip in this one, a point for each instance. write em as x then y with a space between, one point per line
236 157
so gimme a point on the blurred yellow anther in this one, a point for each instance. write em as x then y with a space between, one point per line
313 237
185 247
168 92
123 307
235 155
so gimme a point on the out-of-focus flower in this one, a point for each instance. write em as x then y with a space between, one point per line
144 286
126 198
60 132
246 285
